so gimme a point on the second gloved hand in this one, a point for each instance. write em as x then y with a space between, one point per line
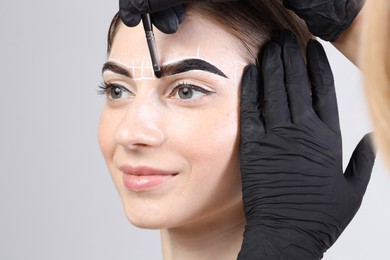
326 18
297 200
167 15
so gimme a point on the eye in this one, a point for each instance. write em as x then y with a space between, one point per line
113 91
187 91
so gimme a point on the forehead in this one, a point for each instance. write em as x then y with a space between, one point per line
197 37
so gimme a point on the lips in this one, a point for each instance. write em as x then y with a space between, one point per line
144 178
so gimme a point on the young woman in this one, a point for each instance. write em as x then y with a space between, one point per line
172 144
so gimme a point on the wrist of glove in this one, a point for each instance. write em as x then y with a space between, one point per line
326 19
297 200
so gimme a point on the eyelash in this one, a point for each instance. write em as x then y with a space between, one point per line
190 86
104 88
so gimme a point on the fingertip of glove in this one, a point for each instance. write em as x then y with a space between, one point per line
367 143
271 47
128 18
288 39
318 64
250 73
180 13
272 50
167 21
250 81
167 28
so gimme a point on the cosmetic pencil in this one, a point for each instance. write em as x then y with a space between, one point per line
147 22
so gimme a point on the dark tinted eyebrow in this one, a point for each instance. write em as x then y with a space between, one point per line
116 69
188 65
170 69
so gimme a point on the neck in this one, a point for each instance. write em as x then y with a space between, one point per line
216 237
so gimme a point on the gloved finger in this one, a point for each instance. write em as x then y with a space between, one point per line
168 21
251 125
359 169
321 17
323 89
276 111
130 11
128 18
160 5
296 78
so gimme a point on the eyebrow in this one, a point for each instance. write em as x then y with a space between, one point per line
170 69
116 69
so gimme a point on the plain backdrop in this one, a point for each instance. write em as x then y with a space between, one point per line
57 200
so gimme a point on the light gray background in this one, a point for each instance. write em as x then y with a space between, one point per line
57 200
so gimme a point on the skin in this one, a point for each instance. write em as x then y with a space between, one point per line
349 42
199 209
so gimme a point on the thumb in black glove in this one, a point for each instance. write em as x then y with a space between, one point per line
297 200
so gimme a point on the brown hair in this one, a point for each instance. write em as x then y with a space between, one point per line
252 22
375 62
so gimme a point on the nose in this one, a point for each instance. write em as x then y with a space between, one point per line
140 126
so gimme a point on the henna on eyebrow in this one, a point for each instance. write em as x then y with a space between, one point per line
188 65
170 69
116 69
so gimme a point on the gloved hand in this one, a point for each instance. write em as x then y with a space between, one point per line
297 200
167 14
326 18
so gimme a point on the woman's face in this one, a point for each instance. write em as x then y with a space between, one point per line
171 144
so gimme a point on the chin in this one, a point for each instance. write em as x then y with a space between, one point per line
145 220
146 224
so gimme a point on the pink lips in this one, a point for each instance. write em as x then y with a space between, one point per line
143 178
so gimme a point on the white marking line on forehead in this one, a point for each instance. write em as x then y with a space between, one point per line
132 67
145 78
133 70
142 68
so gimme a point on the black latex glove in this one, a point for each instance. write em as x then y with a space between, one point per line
326 18
297 200
167 15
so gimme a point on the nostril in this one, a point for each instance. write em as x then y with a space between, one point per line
138 135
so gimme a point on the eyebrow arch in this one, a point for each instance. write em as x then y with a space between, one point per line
188 65
170 69
112 66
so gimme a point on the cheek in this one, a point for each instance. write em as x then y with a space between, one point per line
214 158
107 125
211 137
